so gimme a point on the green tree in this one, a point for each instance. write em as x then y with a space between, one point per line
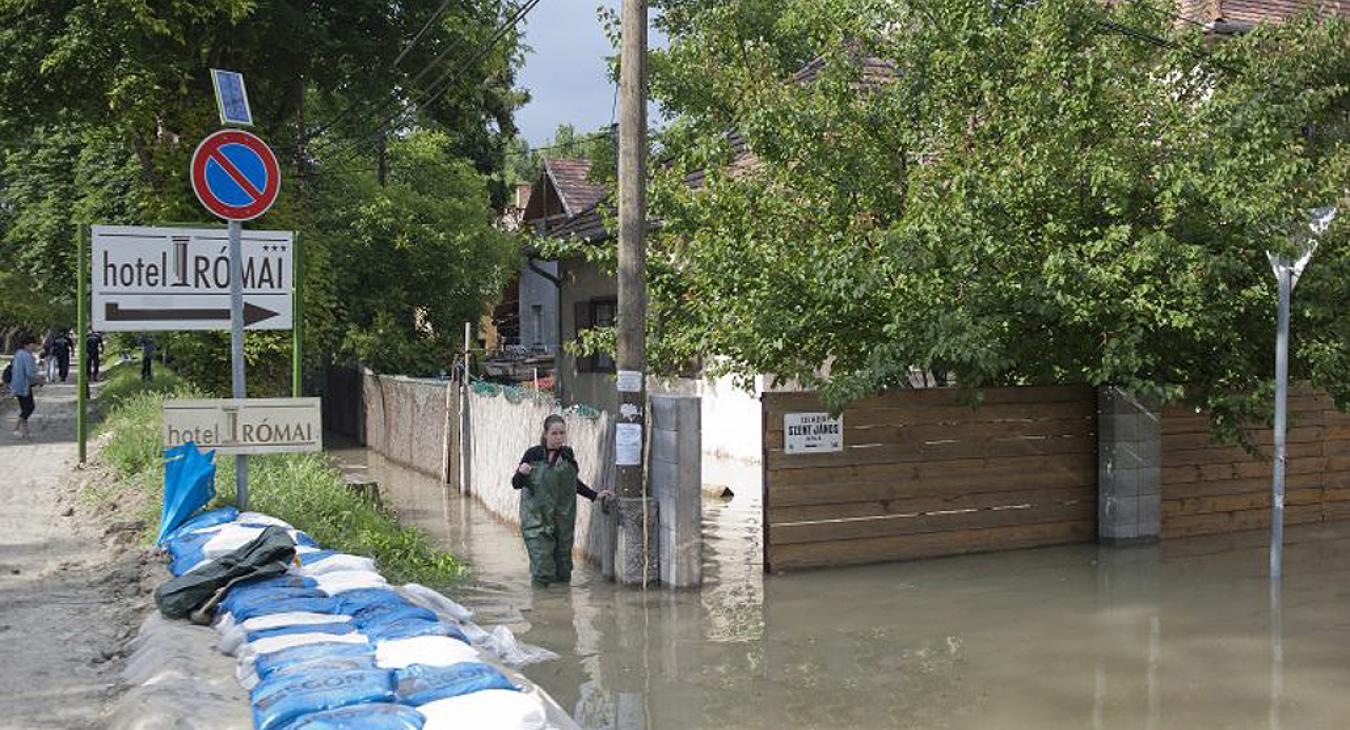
1031 196
102 103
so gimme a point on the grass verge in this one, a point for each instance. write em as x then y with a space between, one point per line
303 489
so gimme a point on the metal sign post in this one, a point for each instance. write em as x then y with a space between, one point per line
237 349
1287 271
235 176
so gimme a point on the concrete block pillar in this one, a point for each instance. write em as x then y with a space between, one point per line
1129 467
676 485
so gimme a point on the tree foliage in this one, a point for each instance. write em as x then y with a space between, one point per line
102 103
1033 196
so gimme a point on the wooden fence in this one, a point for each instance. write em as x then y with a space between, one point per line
922 474
1210 488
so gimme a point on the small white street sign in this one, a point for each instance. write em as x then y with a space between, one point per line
156 279
812 433
256 426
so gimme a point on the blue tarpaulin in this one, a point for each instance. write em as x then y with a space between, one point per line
189 483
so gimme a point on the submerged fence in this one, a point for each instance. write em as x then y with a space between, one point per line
416 423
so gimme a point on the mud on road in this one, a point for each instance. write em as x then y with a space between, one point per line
74 580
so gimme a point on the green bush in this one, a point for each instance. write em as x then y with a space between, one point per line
303 489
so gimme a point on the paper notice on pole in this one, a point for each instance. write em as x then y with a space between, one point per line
630 381
628 444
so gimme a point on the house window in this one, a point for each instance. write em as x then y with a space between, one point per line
603 313
537 319
589 315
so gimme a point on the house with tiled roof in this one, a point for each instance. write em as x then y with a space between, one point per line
1229 17
559 195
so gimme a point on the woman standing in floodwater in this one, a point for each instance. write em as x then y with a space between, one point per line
549 482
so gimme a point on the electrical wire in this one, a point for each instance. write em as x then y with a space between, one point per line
392 97
428 95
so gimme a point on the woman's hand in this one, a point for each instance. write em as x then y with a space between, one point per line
524 469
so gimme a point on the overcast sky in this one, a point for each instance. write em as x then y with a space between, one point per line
566 73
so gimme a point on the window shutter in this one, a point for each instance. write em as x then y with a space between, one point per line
582 318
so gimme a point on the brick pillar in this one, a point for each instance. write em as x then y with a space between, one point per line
1129 473
676 482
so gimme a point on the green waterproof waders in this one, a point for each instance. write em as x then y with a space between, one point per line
548 514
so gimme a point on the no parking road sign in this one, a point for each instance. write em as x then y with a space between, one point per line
235 175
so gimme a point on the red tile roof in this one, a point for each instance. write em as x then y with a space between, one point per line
1253 12
571 178
875 71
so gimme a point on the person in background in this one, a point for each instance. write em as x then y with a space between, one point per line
61 347
93 343
549 484
49 354
147 344
23 379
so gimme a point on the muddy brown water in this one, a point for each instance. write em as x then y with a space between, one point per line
1180 636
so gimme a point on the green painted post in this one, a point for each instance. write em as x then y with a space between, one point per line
298 313
82 340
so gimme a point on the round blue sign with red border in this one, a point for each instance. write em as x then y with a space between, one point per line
235 175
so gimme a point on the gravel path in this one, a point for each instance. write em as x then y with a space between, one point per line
70 588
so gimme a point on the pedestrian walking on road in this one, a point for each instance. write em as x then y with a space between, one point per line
549 482
147 344
49 354
61 348
93 344
23 377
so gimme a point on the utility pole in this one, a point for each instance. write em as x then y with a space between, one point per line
637 524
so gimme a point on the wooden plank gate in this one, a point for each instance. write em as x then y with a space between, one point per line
922 474
1211 488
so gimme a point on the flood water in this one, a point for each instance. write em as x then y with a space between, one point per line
1075 637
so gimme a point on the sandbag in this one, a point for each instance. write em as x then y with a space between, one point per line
241 599
332 627
277 700
201 521
382 613
308 604
343 581
267 555
491 709
277 643
266 664
407 628
429 598
436 651
420 684
260 519
329 663
324 562
376 716
294 618
353 602
233 635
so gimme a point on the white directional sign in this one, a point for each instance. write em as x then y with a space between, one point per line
152 279
237 426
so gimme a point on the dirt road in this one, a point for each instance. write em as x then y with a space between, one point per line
67 597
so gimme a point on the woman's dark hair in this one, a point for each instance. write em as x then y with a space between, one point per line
27 339
555 418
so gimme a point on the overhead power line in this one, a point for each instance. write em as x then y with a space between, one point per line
392 96
436 89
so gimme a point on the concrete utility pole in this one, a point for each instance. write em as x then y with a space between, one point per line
637 524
